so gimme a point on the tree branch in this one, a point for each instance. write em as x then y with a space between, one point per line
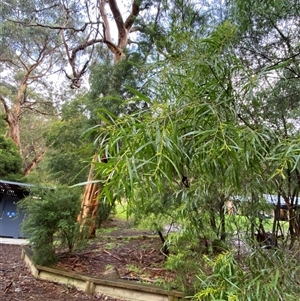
134 12
6 108
117 17
34 162
106 28
82 29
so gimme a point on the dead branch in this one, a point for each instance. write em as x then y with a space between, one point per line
34 162
141 279
116 257
8 286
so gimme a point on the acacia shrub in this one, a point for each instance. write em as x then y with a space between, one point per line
259 276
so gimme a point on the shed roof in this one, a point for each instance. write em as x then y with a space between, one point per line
18 188
270 199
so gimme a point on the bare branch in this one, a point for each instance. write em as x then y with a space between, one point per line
22 62
134 12
46 71
117 17
286 39
83 46
10 61
72 60
34 162
82 29
6 108
106 27
45 8
31 108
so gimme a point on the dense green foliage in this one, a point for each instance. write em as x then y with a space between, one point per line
10 160
196 145
68 144
51 221
268 278
203 108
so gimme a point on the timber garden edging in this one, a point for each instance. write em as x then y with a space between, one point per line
122 289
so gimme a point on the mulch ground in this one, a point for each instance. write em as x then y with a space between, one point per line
135 255
17 283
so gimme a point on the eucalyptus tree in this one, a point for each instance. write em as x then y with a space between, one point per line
27 58
84 27
40 38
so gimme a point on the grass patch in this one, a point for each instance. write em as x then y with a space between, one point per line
111 245
242 223
108 266
134 268
121 211
106 230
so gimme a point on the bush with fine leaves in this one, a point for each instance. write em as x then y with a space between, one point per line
260 276
51 221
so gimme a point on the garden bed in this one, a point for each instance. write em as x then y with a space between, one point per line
120 262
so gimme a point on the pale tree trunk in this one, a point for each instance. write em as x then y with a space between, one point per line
89 205
123 27
14 129
13 118
15 108
13 114
90 200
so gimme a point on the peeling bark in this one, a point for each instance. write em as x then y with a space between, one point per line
89 204
14 129
13 114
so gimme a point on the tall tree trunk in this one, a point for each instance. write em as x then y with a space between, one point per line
90 201
14 129
13 116
89 205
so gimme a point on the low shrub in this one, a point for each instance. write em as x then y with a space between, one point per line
51 222
260 276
